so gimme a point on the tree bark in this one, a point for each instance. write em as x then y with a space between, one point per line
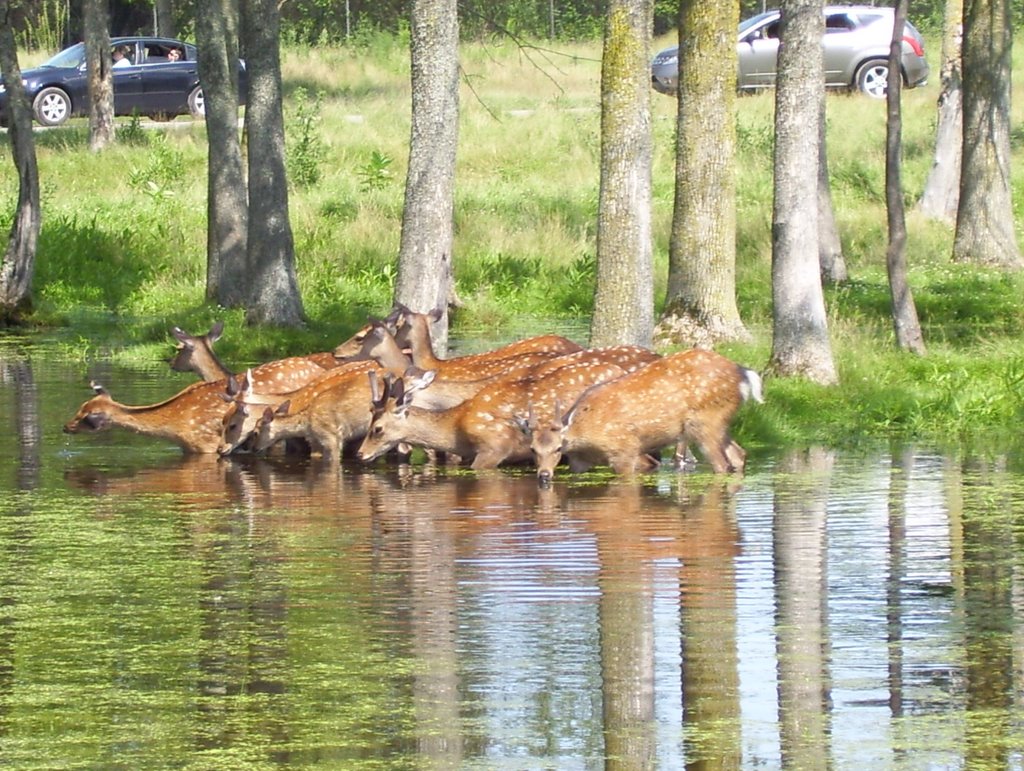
904 311
18 265
830 247
800 344
164 11
984 224
98 66
227 201
701 304
624 294
273 290
942 188
425 281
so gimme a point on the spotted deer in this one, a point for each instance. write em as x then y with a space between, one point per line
247 406
692 395
191 418
483 429
327 413
447 389
195 354
413 332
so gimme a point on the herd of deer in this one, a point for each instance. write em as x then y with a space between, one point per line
537 399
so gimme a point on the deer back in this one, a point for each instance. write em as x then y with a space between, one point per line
692 394
413 333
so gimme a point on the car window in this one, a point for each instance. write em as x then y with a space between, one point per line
838 22
69 57
160 53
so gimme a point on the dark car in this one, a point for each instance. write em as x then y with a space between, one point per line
855 47
152 76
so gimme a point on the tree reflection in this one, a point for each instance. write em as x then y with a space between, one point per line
801 594
988 539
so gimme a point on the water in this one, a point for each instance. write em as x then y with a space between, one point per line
830 609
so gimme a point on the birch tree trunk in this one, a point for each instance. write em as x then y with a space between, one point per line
701 304
624 294
984 224
271 283
18 266
100 77
800 344
942 188
227 202
904 311
425 281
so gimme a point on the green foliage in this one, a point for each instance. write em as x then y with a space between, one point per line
306 148
376 173
132 133
162 170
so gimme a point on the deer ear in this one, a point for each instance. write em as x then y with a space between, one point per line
436 314
417 379
215 332
98 389
182 336
523 424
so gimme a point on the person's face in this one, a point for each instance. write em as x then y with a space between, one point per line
174 55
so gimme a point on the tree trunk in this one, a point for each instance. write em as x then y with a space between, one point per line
984 224
904 312
830 247
425 281
800 344
701 303
98 65
19 260
164 14
227 204
942 188
273 290
624 294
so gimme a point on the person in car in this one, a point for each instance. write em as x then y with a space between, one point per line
121 56
174 55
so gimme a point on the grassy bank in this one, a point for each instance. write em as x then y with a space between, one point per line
122 253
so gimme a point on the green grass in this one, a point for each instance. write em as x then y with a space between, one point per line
122 253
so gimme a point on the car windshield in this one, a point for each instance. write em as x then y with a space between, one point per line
69 57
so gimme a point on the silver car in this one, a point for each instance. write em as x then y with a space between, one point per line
856 48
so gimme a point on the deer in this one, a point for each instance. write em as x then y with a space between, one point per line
413 332
446 391
191 418
195 354
692 395
483 429
246 403
327 413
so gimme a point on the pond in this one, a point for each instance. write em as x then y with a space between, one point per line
847 609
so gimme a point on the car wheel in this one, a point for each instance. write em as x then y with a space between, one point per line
196 103
873 78
52 106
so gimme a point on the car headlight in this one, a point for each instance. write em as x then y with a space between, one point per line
666 59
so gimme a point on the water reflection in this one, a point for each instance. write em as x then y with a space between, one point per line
830 609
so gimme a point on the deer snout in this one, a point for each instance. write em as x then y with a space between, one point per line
544 477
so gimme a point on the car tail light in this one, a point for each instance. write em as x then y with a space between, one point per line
918 48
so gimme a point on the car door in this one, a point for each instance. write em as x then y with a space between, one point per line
757 53
127 80
841 44
167 84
